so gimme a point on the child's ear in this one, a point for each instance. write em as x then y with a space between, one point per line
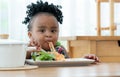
30 34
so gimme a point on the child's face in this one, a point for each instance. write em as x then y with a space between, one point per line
44 29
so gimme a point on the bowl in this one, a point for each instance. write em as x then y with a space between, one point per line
12 53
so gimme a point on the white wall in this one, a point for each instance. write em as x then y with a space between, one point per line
79 17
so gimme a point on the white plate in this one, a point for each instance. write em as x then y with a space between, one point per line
67 62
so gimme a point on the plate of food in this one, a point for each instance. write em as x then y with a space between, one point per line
53 58
66 62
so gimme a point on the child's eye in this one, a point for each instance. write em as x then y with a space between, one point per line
53 31
42 30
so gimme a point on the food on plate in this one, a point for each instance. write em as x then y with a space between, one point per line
51 55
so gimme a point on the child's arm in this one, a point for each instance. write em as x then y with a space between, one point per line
29 51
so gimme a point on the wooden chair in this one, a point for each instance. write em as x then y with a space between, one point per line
112 26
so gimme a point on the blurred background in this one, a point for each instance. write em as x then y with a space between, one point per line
79 17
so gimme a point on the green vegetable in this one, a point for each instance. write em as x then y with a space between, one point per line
33 55
58 43
43 56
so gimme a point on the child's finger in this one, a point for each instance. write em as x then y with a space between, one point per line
38 48
37 45
31 42
97 60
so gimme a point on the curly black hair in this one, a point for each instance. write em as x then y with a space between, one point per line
41 7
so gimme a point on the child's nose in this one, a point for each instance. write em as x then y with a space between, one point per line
48 34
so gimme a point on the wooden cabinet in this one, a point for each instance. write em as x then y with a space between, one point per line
105 47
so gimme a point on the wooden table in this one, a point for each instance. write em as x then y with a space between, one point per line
101 69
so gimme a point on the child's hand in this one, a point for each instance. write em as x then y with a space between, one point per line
92 56
36 44
32 47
